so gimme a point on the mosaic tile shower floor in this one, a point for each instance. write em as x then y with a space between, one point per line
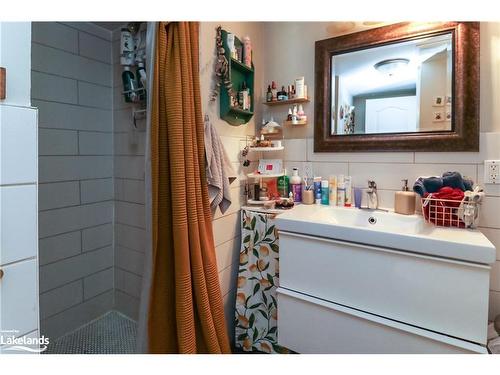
113 333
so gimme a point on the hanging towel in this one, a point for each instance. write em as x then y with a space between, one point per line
220 173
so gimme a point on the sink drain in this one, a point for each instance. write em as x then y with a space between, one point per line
372 220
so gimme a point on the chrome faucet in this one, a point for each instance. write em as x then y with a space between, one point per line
372 195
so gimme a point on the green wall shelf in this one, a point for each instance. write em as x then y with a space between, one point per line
239 73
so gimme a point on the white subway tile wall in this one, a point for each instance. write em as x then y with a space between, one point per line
129 195
71 86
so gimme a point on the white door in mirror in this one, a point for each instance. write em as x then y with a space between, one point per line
492 171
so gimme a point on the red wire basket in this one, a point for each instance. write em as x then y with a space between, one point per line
450 213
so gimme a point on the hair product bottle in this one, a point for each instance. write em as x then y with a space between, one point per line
324 192
296 185
333 190
247 52
317 190
129 85
283 188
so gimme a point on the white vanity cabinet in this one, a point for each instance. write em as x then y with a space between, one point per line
338 296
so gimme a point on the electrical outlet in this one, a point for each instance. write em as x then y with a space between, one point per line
492 171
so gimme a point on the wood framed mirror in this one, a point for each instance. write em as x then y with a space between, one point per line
404 87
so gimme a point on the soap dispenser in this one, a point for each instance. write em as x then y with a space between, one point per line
404 200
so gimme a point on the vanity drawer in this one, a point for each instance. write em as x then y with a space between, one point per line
312 326
442 295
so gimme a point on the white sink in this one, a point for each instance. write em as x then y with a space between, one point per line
388 229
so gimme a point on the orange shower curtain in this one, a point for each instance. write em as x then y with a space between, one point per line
186 312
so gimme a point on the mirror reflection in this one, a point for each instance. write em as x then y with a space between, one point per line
395 88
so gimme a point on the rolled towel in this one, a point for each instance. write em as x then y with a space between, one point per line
418 187
454 180
426 185
433 184
469 184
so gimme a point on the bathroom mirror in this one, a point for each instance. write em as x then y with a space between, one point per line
408 86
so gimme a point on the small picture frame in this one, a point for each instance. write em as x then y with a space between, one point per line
447 115
438 101
447 100
437 116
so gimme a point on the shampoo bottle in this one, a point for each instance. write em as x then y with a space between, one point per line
348 191
340 191
325 192
141 80
333 190
296 185
317 190
129 85
283 188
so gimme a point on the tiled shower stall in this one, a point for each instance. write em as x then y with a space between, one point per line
91 172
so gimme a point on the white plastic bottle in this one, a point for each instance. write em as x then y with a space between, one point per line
296 185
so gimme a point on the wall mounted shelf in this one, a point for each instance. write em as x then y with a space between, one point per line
265 149
300 122
238 73
290 101
260 175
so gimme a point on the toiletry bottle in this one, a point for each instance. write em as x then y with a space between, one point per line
294 116
247 52
289 116
283 188
296 185
126 47
348 191
274 92
140 74
300 112
333 190
340 191
404 200
269 94
317 190
129 85
282 94
325 193
243 96
248 103
263 193
230 45
299 87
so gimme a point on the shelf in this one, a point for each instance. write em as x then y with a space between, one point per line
239 73
300 122
259 175
257 202
239 65
290 101
264 149
240 111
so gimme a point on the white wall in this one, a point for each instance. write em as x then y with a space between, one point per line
227 227
287 57
71 86
18 188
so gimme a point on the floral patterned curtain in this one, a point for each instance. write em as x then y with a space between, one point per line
258 277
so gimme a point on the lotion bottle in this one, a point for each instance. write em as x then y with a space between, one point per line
404 200
296 185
